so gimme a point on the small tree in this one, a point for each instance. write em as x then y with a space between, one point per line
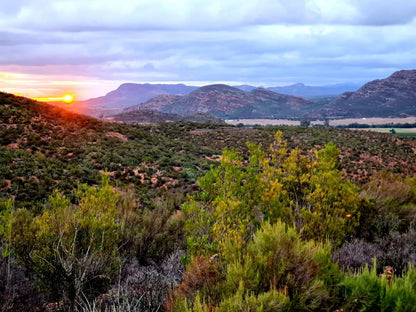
305 123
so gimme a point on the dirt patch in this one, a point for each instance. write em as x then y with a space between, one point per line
116 135
214 158
13 145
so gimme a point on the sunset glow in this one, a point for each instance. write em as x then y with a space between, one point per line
68 98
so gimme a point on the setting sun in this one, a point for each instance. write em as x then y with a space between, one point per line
68 98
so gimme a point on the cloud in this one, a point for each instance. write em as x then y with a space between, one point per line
105 15
254 41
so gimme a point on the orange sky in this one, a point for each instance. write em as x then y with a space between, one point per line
55 86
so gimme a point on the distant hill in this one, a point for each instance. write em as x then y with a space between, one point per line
131 94
299 89
154 104
128 94
390 97
228 102
302 90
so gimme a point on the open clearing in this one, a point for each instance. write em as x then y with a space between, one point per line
332 122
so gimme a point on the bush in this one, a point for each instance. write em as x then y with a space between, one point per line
71 249
367 291
277 271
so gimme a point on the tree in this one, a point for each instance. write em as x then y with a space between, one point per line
305 123
306 191
263 224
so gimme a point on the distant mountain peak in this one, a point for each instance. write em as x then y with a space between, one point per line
404 74
298 85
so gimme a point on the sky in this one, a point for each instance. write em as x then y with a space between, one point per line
89 47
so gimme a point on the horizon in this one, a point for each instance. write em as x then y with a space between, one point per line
53 49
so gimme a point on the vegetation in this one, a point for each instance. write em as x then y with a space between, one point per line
260 235
99 216
387 125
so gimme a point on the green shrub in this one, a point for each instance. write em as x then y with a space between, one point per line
367 291
71 249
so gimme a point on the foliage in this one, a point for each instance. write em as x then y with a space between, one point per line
386 230
73 244
277 271
238 230
258 229
149 235
307 191
367 291
43 148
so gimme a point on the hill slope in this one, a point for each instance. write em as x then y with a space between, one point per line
128 94
392 96
43 148
151 116
228 102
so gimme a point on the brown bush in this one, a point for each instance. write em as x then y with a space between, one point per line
203 275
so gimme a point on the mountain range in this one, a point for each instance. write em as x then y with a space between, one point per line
390 97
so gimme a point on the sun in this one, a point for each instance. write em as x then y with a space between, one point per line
68 98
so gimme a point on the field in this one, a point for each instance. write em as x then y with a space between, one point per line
332 122
407 132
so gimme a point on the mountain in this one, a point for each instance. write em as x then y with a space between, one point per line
128 94
154 103
393 96
302 90
246 88
229 102
299 89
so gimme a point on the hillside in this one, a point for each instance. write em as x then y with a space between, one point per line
228 102
128 94
152 116
392 96
44 147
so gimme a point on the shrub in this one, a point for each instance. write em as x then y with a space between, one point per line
276 271
367 291
71 249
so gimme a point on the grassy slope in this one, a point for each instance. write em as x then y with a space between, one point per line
43 148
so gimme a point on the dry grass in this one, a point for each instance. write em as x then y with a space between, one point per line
332 122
